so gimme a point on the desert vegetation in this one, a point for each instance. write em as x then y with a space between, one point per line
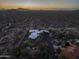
14 33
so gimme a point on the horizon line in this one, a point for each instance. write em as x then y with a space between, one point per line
40 9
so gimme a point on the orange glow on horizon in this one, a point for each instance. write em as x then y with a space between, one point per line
35 7
39 4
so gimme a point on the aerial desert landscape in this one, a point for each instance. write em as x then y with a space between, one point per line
38 34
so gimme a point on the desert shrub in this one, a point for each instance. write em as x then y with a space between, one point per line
63 57
21 51
32 50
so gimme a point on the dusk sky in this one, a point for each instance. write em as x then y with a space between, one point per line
40 4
